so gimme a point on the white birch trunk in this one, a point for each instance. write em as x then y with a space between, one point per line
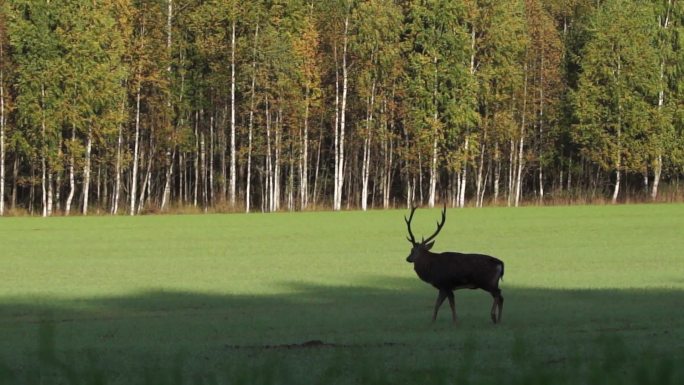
86 171
339 179
211 161
44 155
197 164
134 178
618 155
146 185
72 177
518 184
169 176
304 159
203 172
232 117
248 184
365 167
511 174
616 189
50 193
480 169
269 162
2 136
464 175
276 165
541 129
433 172
172 155
435 134
497 172
318 163
117 182
658 166
657 170
58 183
618 165
223 149
337 129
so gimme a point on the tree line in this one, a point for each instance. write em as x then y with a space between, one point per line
128 106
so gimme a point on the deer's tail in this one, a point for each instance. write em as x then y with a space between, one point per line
502 271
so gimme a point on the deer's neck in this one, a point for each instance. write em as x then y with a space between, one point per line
423 266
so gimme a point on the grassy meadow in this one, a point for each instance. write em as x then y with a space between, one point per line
593 295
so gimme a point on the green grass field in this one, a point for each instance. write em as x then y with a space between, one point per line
594 295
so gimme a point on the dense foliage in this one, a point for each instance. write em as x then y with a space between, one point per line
138 105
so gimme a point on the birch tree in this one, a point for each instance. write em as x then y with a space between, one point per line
4 66
616 96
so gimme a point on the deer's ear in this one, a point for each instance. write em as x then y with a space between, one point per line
429 245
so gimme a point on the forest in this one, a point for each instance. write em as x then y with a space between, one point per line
144 106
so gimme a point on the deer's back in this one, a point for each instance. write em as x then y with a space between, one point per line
450 270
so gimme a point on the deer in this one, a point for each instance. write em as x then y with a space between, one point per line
449 271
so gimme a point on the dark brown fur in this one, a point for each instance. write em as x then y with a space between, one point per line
451 271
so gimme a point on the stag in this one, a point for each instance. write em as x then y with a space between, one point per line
451 271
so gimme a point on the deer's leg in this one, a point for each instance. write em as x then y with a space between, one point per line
452 304
500 307
497 304
440 299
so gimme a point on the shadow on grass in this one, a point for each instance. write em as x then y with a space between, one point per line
375 334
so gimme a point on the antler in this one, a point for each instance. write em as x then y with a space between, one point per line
439 226
412 239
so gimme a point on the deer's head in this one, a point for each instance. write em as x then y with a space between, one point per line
422 247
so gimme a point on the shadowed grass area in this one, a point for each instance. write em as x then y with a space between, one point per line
593 295
306 335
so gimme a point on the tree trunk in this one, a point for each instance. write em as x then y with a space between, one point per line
269 162
657 170
616 189
658 166
72 182
146 182
203 171
497 171
197 164
618 155
339 180
248 187
86 171
464 174
50 194
211 199
337 129
169 176
223 148
2 135
15 185
365 167
318 163
44 155
518 183
117 183
435 135
480 169
276 165
169 155
304 159
541 129
232 117
134 178
511 173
